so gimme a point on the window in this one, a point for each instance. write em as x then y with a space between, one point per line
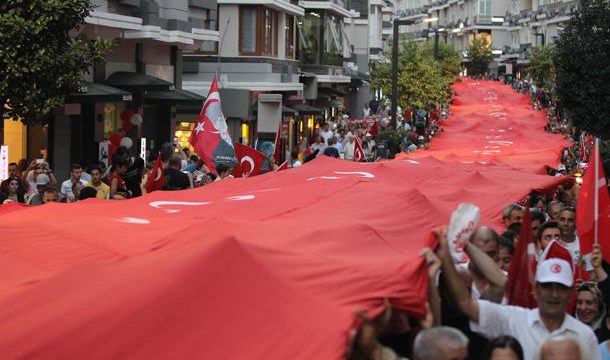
485 11
289 37
258 31
247 33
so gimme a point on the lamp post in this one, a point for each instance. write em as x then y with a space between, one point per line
397 23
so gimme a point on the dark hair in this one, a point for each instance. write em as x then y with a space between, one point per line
13 163
568 208
75 167
122 151
515 228
194 158
220 168
551 224
87 192
95 167
506 243
211 175
534 199
49 188
509 235
502 342
118 160
537 214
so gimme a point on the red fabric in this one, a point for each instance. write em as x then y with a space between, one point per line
264 267
156 180
358 152
276 145
374 129
520 286
249 161
585 209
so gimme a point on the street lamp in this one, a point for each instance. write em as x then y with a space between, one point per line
397 23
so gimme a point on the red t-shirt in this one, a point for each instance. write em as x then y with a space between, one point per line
120 182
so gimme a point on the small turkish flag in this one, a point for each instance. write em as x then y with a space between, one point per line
358 152
156 180
249 161
284 166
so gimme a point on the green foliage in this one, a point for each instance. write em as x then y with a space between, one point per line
40 63
393 137
479 54
541 67
583 70
423 82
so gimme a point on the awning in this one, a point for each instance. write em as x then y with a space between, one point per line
137 82
92 93
305 109
173 97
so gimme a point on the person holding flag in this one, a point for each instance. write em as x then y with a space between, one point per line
210 137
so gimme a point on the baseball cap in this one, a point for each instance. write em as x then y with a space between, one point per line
368 134
555 271
42 179
561 167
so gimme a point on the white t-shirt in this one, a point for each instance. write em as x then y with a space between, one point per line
526 326
66 187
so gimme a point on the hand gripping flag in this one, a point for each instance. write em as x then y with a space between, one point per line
593 208
250 161
210 137
358 152
156 180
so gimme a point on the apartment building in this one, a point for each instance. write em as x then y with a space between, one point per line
512 27
257 66
142 73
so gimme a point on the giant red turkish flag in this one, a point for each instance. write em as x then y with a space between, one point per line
264 267
210 137
585 209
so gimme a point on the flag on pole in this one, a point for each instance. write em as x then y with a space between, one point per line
358 152
593 208
276 146
210 138
250 161
520 285
284 166
156 180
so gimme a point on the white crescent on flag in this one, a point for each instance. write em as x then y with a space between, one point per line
159 172
250 161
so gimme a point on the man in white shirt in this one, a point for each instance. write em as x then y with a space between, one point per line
326 133
66 186
531 327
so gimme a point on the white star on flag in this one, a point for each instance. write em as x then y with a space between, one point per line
199 127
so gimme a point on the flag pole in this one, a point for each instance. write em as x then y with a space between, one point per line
220 43
596 206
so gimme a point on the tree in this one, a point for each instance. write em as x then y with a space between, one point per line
423 82
479 54
40 63
541 66
583 70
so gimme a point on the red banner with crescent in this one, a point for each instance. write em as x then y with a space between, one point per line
249 161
